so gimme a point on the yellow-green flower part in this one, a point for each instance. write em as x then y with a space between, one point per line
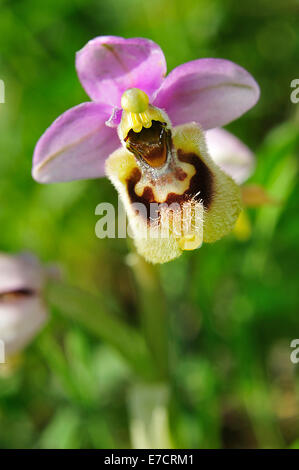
175 196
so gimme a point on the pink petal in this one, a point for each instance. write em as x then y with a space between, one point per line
20 321
230 154
109 65
211 92
115 118
20 272
22 309
75 146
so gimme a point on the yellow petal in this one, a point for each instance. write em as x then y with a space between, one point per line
242 229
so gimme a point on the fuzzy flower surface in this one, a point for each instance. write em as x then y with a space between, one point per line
146 132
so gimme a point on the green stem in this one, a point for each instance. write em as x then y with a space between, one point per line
92 313
153 312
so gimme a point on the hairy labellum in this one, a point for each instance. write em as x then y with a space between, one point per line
176 197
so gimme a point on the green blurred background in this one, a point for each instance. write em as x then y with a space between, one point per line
232 307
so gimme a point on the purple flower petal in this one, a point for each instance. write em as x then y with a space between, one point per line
115 118
75 146
230 154
211 92
20 272
22 309
109 65
20 321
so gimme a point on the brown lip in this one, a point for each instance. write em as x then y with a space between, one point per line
200 189
16 294
151 145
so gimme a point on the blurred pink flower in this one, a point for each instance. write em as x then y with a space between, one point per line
22 309
230 154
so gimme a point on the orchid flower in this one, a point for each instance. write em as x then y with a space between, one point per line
22 310
147 134
230 154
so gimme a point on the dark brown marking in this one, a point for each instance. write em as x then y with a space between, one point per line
17 294
200 187
201 182
180 175
147 196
